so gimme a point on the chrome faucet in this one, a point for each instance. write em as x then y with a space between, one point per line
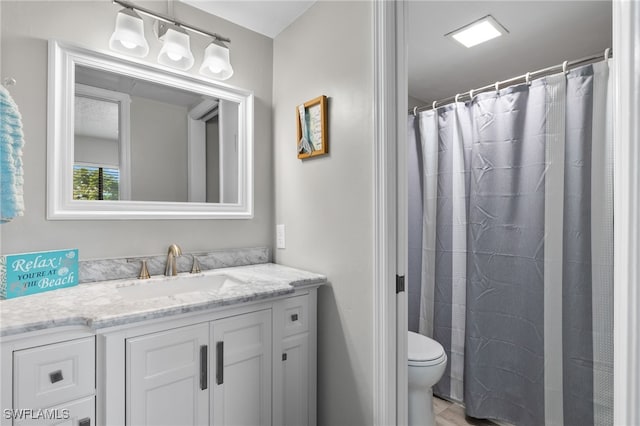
174 252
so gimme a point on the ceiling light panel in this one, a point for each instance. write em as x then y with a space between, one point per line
484 29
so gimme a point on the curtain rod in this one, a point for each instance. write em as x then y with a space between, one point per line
525 78
170 20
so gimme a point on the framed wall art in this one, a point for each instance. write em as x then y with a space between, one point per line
311 125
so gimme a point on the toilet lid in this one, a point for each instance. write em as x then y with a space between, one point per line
423 349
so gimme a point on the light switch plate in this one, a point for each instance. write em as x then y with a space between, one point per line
280 241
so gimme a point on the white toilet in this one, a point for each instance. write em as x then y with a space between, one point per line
427 361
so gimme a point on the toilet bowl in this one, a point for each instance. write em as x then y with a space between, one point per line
427 361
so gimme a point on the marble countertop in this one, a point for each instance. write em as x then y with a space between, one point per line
102 304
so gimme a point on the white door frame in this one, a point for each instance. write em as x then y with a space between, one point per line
390 319
389 142
385 244
402 314
626 184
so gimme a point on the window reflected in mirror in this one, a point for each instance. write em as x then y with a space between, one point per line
95 183
98 144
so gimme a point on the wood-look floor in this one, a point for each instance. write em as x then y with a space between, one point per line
451 414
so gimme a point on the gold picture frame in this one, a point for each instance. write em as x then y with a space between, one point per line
311 121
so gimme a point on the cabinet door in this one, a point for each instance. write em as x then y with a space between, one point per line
295 383
166 377
241 354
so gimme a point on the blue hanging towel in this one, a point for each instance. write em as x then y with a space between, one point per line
11 172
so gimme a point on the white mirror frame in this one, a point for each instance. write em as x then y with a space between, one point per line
63 59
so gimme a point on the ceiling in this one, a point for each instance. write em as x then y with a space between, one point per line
99 118
267 17
541 34
137 87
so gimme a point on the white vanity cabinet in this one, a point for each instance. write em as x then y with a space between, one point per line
234 346
249 364
295 375
52 383
174 378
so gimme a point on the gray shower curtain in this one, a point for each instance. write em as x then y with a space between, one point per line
517 249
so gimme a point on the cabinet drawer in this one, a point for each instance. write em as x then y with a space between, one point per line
49 375
296 312
81 412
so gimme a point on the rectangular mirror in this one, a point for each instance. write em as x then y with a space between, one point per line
130 140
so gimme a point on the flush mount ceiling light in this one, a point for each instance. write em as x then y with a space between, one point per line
484 29
128 36
176 44
176 47
216 61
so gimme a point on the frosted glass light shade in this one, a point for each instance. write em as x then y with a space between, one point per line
128 36
176 50
216 61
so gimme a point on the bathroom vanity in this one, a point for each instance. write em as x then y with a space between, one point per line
233 345
242 351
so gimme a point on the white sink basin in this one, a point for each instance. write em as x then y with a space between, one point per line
170 286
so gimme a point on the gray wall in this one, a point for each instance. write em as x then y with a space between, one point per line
228 124
158 151
213 160
25 28
326 203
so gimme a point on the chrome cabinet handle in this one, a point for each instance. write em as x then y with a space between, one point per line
294 317
84 422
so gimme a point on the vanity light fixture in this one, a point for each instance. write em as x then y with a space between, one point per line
128 36
484 29
176 50
216 61
176 46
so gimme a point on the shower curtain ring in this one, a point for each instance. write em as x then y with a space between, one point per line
457 97
564 66
471 94
607 51
415 111
497 86
527 78
433 105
